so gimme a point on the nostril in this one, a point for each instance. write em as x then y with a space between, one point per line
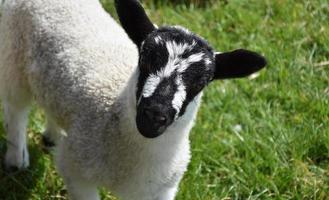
155 116
161 119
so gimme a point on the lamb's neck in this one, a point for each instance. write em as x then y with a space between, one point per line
127 100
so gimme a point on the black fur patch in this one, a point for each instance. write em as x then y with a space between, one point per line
238 63
134 20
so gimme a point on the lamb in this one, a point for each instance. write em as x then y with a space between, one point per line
120 116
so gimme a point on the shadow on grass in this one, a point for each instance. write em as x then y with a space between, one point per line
20 185
188 3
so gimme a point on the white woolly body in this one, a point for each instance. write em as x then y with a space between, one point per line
80 66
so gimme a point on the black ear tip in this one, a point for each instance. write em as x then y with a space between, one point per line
134 20
238 63
258 60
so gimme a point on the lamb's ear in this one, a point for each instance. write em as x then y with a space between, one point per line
237 64
134 20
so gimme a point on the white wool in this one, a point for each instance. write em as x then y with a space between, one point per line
80 66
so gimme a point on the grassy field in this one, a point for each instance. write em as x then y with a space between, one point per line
265 138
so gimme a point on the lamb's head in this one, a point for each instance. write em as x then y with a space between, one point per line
175 65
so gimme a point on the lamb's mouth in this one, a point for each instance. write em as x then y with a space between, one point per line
149 129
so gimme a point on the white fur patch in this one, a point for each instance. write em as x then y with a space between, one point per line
179 96
151 84
207 61
158 39
142 44
176 49
175 63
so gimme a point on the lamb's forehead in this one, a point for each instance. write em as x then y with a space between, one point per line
176 36
177 47
178 57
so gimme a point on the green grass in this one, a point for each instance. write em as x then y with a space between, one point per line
281 150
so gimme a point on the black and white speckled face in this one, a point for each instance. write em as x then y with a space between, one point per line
175 65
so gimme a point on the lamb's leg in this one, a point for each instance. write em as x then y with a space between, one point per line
52 134
165 193
15 121
78 188
81 190
168 193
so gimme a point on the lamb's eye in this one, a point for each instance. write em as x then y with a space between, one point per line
199 83
144 66
202 81
198 86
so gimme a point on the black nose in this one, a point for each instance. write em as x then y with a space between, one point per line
155 115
